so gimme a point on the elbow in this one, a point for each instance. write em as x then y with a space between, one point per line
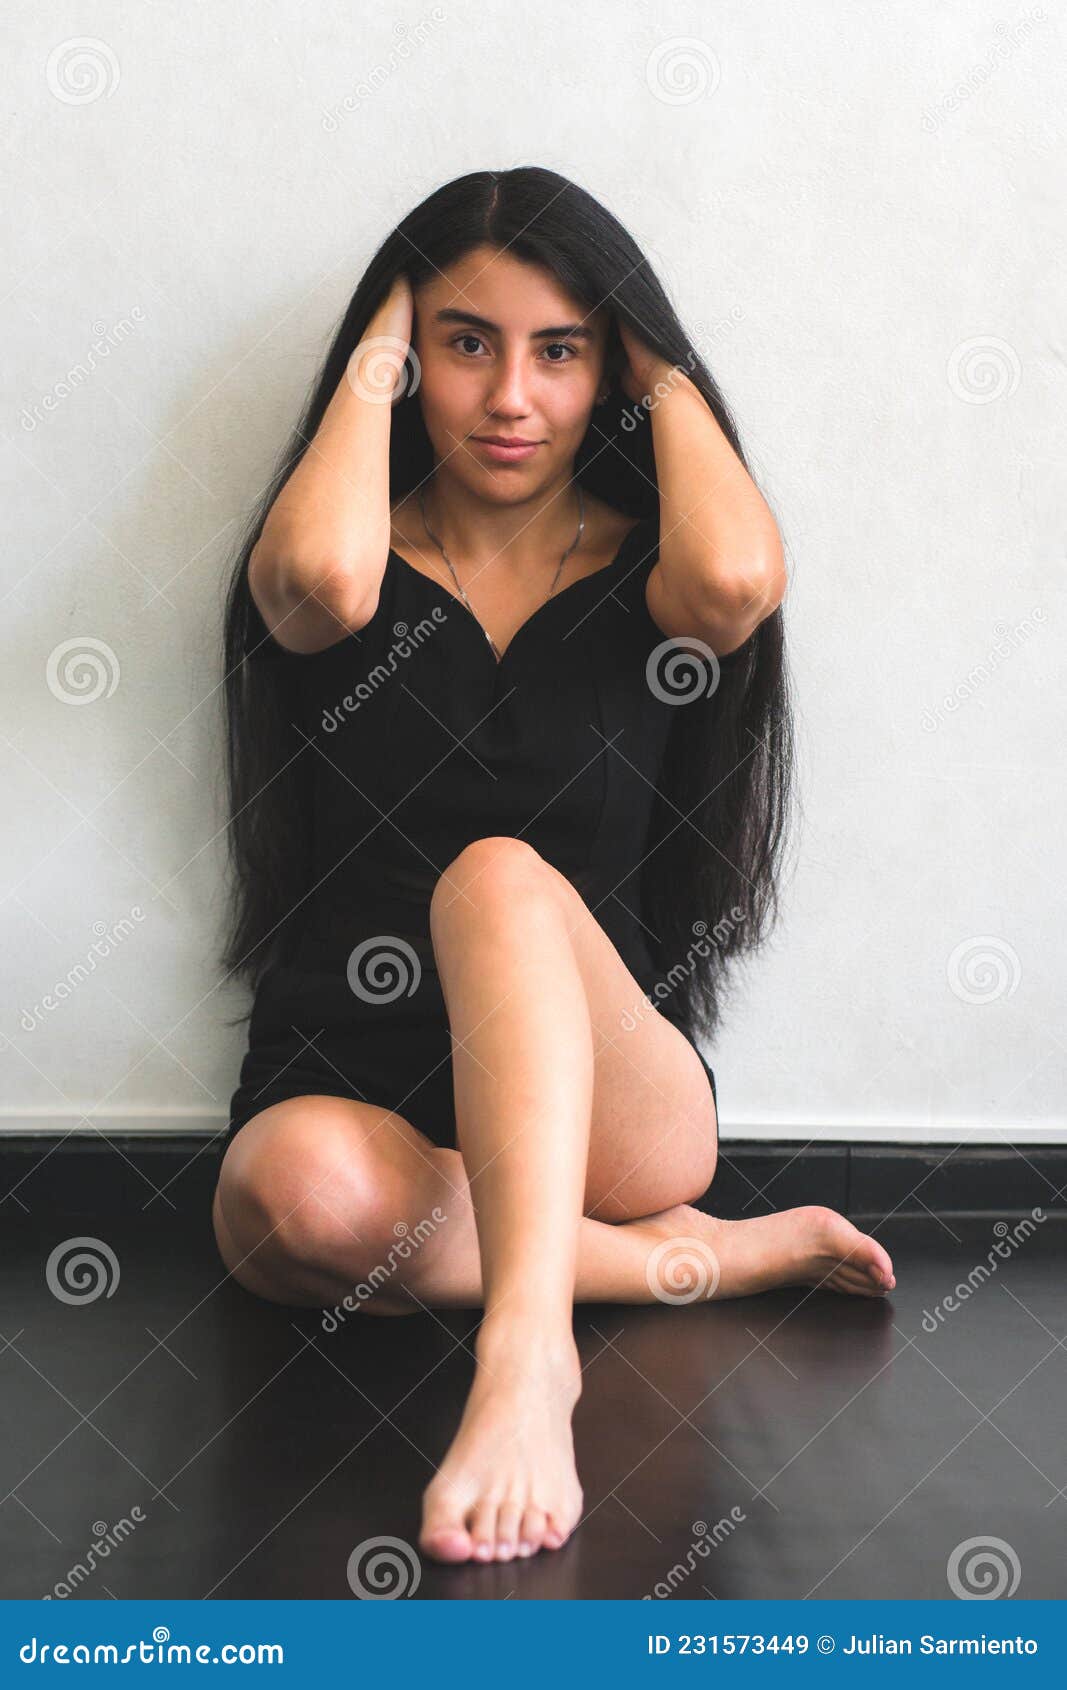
340 590
736 604
300 596
755 589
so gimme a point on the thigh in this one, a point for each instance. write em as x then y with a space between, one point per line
654 1132
653 1138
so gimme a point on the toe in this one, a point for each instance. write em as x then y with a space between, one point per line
444 1534
844 1277
876 1260
483 1531
856 1279
507 1530
861 1287
531 1531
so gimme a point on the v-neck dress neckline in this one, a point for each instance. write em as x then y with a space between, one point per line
558 597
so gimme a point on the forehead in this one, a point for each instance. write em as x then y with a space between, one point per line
519 295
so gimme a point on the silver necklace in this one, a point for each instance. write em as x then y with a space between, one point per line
498 654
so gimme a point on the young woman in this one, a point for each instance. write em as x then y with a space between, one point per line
509 755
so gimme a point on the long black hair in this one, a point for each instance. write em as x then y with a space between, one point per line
709 880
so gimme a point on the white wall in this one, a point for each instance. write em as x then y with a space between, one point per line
861 211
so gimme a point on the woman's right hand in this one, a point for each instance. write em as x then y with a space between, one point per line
397 310
376 366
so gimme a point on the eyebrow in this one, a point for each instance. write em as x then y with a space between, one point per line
564 331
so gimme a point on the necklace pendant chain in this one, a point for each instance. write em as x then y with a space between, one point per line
498 654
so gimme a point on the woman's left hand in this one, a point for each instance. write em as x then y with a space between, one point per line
643 368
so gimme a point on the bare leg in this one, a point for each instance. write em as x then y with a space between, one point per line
315 1191
523 1063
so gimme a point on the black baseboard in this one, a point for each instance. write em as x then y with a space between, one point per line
168 1179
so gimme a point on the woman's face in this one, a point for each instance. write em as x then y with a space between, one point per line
491 335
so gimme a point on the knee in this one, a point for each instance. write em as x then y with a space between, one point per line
300 1193
490 870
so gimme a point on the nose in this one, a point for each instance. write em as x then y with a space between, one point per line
507 396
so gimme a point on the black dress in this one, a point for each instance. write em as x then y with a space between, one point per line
423 742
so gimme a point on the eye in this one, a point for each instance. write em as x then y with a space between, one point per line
460 341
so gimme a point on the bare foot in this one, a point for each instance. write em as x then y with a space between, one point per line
712 1258
508 1484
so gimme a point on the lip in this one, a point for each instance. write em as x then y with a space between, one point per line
505 453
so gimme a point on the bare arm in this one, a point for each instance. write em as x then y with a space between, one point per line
316 571
721 568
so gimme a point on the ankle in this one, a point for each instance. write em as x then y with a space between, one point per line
511 1336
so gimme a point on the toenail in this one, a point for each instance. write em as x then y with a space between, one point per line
525 1548
507 1549
483 1549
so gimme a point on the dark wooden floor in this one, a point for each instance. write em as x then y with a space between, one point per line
790 1445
